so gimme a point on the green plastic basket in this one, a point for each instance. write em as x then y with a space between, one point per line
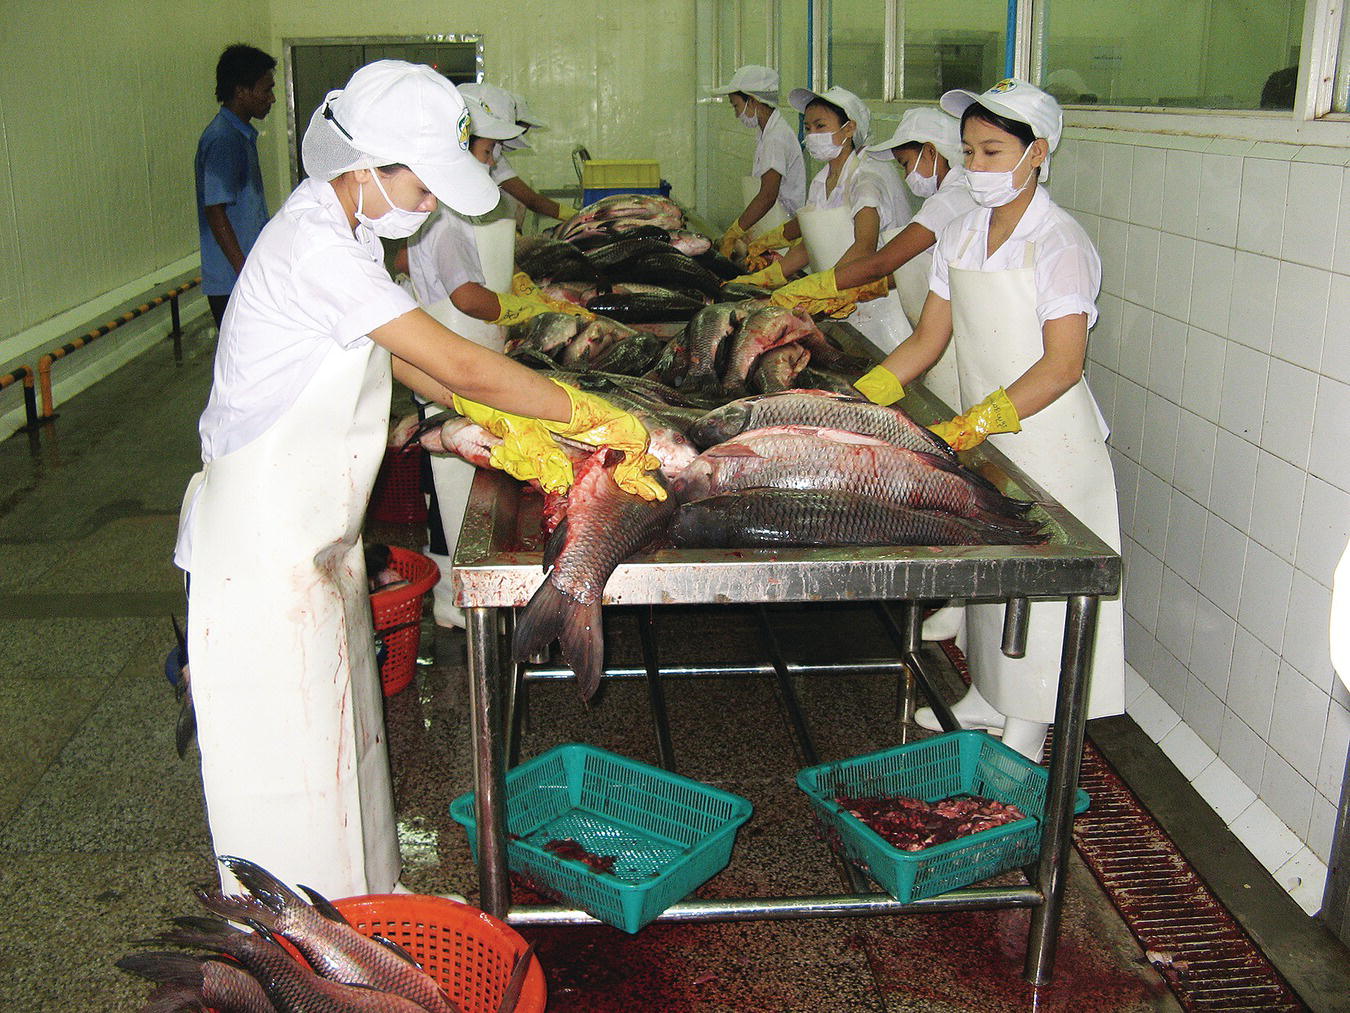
669 834
965 762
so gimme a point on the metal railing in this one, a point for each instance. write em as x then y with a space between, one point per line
44 367
24 373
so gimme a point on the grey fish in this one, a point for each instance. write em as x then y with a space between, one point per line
778 368
594 340
335 949
546 260
817 408
765 329
705 337
809 518
641 308
603 526
547 333
290 985
189 982
741 291
811 458
631 356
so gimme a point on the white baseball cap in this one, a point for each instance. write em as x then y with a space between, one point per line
924 126
392 111
1017 100
492 112
753 79
854 108
523 114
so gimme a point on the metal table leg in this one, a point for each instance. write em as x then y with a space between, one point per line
656 695
1080 628
488 770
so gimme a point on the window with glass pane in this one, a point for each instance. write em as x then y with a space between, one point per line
949 44
857 45
728 12
1203 54
755 31
794 48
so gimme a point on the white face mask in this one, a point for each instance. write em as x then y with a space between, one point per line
397 222
822 147
923 186
496 155
994 189
748 118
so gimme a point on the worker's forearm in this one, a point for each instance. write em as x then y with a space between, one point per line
521 191
223 233
925 346
911 241
761 203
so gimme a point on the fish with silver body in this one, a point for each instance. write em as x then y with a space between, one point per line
778 368
817 408
547 333
767 328
759 517
812 458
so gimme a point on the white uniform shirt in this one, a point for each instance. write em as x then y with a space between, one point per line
1068 269
502 171
778 148
864 182
308 289
951 201
443 255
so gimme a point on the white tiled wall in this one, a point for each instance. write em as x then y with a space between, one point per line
1221 361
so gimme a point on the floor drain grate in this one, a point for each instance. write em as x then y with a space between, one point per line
1205 956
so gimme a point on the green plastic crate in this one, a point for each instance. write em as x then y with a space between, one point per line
957 763
669 834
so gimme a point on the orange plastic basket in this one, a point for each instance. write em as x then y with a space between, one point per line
467 952
399 610
397 497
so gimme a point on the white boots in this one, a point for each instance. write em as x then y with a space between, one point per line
971 711
945 623
974 711
443 594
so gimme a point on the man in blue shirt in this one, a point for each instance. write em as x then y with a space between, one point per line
231 206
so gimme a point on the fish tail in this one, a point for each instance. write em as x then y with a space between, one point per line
250 910
185 728
582 641
271 891
539 622
180 969
174 999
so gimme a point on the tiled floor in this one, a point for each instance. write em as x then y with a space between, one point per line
101 825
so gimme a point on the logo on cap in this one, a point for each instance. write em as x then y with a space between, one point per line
464 130
1007 84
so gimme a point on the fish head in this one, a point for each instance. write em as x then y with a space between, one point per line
721 423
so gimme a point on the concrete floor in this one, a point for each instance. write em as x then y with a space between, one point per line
101 825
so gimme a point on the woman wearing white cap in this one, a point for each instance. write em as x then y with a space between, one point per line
1014 285
776 187
288 704
518 193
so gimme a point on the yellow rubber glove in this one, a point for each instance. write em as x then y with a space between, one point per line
525 288
527 450
771 277
995 414
728 241
598 423
518 308
880 386
818 293
772 240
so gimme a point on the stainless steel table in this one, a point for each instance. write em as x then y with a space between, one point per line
498 566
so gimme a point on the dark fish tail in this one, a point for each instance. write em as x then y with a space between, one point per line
185 728
551 615
181 969
262 884
323 905
540 622
511 997
174 999
237 908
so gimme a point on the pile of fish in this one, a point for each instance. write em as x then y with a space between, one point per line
800 468
251 972
629 257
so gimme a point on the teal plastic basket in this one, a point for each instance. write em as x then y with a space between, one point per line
668 834
957 763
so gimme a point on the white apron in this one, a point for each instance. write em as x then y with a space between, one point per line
911 285
773 218
289 708
997 336
883 321
453 476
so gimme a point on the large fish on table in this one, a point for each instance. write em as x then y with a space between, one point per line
603 527
705 342
811 458
644 307
547 333
765 329
778 368
806 518
546 260
817 408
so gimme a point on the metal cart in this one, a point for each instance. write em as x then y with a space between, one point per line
498 567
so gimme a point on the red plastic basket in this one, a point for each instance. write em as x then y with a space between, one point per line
399 610
467 952
397 497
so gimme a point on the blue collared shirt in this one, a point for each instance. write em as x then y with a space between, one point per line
228 173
